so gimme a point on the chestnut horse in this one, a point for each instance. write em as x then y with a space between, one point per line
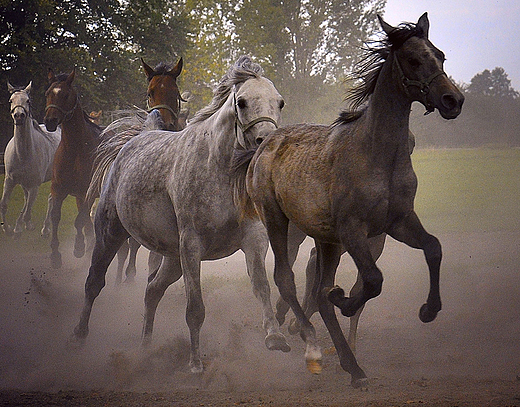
72 165
346 183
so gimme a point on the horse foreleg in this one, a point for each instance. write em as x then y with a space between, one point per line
131 270
31 198
169 272
277 229
110 234
57 202
255 247
18 227
328 257
9 185
411 232
46 229
195 313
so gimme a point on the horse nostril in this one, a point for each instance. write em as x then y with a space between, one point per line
449 101
259 140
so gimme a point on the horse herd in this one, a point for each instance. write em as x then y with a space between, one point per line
232 179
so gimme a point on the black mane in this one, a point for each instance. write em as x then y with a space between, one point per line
368 70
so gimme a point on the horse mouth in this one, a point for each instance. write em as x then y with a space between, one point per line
51 125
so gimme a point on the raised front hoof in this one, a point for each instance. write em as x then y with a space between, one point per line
426 314
56 260
336 295
360 383
277 342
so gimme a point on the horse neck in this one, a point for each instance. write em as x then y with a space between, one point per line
388 114
74 132
222 135
23 140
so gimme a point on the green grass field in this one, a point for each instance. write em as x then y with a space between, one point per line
460 190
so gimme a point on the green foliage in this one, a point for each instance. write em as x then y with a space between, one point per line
495 84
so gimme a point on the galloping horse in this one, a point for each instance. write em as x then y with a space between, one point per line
28 160
73 160
172 192
164 96
349 182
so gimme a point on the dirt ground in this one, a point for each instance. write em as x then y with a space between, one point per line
469 356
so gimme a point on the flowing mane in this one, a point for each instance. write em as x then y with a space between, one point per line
367 72
239 72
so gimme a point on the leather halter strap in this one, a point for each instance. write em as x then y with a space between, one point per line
23 107
245 127
67 114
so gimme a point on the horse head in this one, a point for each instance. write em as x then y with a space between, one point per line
258 106
163 93
20 103
62 99
418 66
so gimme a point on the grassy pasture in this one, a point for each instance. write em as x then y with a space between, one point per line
460 190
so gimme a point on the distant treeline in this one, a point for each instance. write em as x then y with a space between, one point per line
485 121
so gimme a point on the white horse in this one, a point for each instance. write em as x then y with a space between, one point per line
172 192
28 160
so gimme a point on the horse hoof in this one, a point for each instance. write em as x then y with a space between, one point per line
56 260
17 235
294 327
361 383
426 315
336 295
45 233
79 335
79 252
196 367
314 366
29 226
277 342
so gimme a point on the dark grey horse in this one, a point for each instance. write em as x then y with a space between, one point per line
349 182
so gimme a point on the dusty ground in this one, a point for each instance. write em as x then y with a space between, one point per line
469 356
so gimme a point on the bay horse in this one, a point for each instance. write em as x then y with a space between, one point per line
172 192
28 160
73 160
345 183
163 95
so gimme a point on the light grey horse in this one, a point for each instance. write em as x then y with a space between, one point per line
28 160
172 192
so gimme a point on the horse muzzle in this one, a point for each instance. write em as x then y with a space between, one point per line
51 124
450 105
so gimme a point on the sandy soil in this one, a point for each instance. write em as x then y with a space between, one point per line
469 356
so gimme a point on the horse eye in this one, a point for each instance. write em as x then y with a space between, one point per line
282 104
241 103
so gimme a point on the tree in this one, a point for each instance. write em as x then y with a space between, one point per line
495 84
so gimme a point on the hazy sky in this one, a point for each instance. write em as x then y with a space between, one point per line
474 34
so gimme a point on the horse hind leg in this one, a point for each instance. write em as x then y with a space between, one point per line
82 221
255 250
167 274
110 234
122 254
131 270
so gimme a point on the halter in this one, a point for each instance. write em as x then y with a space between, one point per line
67 115
245 127
424 85
23 107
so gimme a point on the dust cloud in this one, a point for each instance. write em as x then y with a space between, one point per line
475 335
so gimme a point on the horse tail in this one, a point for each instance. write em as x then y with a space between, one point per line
239 166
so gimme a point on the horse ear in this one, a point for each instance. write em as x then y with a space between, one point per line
387 28
70 78
177 69
28 88
424 23
10 87
148 70
50 76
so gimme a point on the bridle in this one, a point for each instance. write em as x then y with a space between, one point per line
423 85
67 114
245 127
25 110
